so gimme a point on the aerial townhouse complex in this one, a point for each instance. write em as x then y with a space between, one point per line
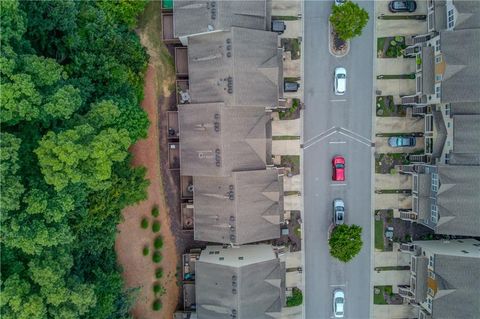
225 140
446 176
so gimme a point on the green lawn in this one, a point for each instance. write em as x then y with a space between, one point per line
379 235
379 299
292 161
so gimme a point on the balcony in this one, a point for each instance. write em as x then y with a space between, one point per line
407 247
406 292
409 216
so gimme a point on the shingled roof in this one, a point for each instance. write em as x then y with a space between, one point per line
245 282
458 200
466 134
460 80
468 14
216 140
457 294
240 67
194 16
244 208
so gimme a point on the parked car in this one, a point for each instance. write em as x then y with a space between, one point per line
340 2
402 6
338 167
338 303
401 141
338 212
340 81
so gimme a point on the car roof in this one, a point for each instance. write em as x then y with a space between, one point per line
339 202
340 70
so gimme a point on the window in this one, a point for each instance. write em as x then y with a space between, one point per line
210 252
465 252
438 59
437 91
434 182
217 252
437 45
430 261
448 124
221 258
451 18
430 291
447 157
240 258
431 274
434 212
438 77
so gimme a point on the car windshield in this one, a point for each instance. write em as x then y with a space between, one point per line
341 76
399 5
339 166
340 208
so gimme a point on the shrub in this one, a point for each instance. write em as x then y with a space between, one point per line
146 250
399 38
345 242
144 223
155 211
295 299
157 257
156 288
393 43
156 226
159 273
158 242
157 305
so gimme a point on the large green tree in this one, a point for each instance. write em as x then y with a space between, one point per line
348 20
345 242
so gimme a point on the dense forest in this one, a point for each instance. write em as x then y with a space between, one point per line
71 86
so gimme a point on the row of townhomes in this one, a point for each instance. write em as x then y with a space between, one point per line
234 195
445 275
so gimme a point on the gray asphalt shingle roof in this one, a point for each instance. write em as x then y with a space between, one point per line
428 70
251 288
194 16
244 208
468 14
466 134
421 271
216 140
465 108
460 80
240 67
458 201
441 134
460 277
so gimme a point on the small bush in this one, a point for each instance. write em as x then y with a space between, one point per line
159 273
157 305
144 223
158 243
157 288
399 38
296 299
155 211
156 226
157 257
146 250
393 43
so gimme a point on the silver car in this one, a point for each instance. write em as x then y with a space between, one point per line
338 211
338 303
340 81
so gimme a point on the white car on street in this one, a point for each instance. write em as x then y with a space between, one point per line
338 303
340 81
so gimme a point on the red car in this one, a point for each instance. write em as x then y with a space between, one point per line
338 166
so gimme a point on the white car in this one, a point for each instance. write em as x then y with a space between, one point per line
340 2
340 81
338 303
338 212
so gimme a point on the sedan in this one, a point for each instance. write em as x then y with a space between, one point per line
340 2
338 303
401 141
338 167
402 6
340 81
338 211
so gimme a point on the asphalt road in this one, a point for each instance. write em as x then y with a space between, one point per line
336 125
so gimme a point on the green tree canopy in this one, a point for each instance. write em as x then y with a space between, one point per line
348 20
345 242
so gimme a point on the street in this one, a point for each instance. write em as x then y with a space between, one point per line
336 125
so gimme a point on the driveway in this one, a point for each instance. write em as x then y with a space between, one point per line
381 146
336 125
387 124
396 87
391 258
286 128
286 147
292 183
292 202
393 201
397 181
395 66
394 311
286 7
381 8
391 278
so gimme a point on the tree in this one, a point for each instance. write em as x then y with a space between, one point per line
345 242
348 20
12 187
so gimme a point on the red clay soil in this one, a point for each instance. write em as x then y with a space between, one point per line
139 270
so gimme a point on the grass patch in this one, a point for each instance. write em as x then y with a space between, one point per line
292 161
156 226
285 18
145 251
410 76
155 211
159 273
296 299
290 113
157 305
283 138
379 298
158 242
298 231
292 45
379 244
290 193
157 257
380 45
388 268
144 223
403 17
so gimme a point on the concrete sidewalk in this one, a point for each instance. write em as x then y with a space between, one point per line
394 311
292 202
286 8
397 181
396 87
292 183
387 124
392 201
391 258
286 128
395 66
381 146
286 147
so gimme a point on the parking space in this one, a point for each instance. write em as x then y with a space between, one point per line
292 183
286 128
382 8
381 146
292 202
387 28
399 124
393 201
389 181
394 311
286 147
396 87
395 66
